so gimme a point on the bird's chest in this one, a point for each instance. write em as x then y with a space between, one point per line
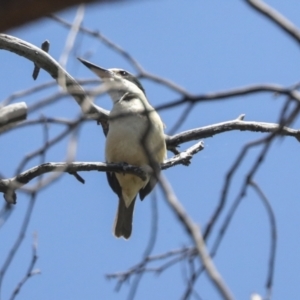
124 140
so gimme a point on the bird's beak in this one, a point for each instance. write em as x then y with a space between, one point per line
102 73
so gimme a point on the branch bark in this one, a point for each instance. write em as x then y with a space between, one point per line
10 185
11 115
63 78
273 15
237 124
196 235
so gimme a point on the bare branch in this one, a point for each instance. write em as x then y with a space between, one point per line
184 115
5 213
237 124
142 73
19 239
41 120
236 92
7 186
66 81
149 248
277 18
266 202
92 111
196 235
174 256
46 146
266 143
30 272
11 115
25 177
181 158
72 36
41 87
184 157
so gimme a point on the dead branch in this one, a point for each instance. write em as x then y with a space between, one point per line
18 240
273 226
195 233
30 271
237 124
142 73
235 92
276 17
9 185
11 115
66 81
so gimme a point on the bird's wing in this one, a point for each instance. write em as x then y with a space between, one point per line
148 188
114 183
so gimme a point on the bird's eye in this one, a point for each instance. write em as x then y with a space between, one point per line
123 73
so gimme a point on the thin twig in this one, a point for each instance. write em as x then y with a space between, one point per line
142 73
234 93
276 17
182 118
18 241
72 36
149 248
273 246
40 87
30 272
49 144
266 142
194 231
65 80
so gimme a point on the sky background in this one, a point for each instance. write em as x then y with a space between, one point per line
203 46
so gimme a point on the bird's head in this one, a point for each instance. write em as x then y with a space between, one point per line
118 81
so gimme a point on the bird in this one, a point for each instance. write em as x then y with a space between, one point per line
135 136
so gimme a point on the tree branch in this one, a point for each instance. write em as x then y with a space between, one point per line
45 61
195 233
9 185
235 92
173 256
30 271
142 73
183 158
64 79
277 18
237 124
11 115
273 247
19 239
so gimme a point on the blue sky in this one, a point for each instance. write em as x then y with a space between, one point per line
203 46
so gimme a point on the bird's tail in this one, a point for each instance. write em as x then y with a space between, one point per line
123 221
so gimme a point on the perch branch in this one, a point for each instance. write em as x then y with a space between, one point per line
8 186
66 81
